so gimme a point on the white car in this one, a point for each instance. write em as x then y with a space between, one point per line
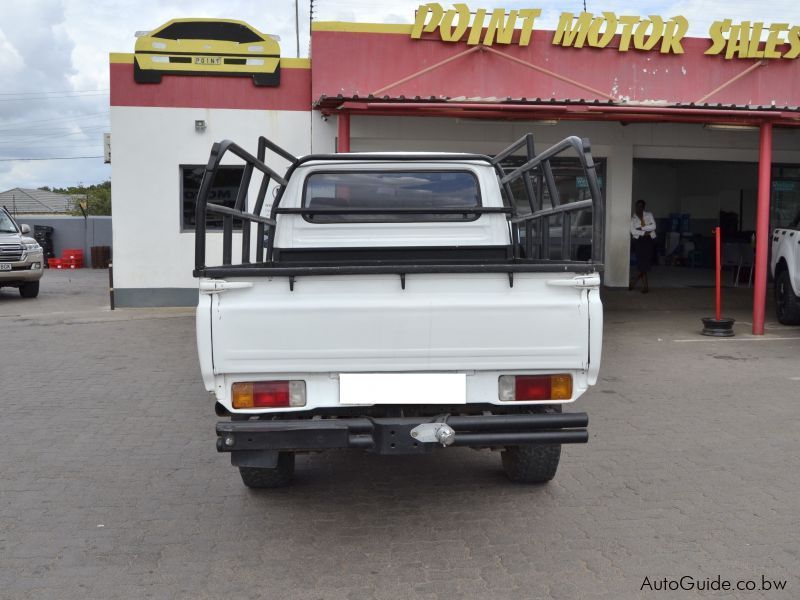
785 267
394 311
21 257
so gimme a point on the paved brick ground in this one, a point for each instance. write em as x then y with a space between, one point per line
110 486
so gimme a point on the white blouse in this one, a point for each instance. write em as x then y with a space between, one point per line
638 231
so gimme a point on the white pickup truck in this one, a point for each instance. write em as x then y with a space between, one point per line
785 266
394 303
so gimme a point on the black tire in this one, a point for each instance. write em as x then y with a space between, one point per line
262 479
144 75
29 290
787 304
532 463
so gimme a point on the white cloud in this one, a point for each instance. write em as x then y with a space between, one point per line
57 45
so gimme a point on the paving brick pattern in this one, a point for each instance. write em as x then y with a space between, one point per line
111 487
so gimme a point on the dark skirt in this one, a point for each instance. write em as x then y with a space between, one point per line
643 249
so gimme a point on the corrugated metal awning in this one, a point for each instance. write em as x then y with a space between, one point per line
561 109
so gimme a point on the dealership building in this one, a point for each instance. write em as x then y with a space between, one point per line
706 139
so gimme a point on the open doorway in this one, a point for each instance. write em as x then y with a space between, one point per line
688 200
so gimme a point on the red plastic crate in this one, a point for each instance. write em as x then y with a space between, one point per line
75 253
54 263
72 263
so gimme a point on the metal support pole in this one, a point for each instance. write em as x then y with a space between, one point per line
111 285
762 228
343 144
297 27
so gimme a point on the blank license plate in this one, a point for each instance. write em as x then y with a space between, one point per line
402 388
5 267
207 60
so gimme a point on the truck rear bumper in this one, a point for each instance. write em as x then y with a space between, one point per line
392 435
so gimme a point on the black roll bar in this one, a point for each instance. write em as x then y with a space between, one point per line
540 164
218 151
535 174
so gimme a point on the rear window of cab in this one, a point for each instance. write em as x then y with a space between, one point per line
360 191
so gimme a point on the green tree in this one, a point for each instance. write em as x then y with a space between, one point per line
98 197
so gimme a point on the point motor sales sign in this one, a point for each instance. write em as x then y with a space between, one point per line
653 33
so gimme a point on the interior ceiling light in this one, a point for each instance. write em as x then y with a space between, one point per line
729 127
506 121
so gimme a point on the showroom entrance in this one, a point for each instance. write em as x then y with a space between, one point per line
689 198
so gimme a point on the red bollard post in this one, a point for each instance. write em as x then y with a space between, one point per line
718 327
718 304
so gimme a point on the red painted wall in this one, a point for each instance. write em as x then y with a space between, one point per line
360 64
353 64
211 92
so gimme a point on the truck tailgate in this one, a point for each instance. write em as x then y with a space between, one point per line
439 322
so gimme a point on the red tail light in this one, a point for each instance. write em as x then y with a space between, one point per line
536 387
532 387
269 394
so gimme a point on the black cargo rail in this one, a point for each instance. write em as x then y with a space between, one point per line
298 270
392 435
533 255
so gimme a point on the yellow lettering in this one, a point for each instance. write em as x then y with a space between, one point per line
674 31
755 41
794 43
715 32
597 41
500 26
528 16
773 39
477 28
739 41
446 28
568 35
657 24
421 22
625 35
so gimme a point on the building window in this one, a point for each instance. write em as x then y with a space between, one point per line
223 191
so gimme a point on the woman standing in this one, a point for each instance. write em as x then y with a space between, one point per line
643 230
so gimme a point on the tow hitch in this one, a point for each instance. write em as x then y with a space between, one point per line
428 433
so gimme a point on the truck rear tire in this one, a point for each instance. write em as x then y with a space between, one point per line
280 476
29 290
532 463
787 305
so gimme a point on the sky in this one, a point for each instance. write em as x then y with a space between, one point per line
54 82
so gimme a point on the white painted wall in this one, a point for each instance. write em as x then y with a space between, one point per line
618 215
148 146
323 134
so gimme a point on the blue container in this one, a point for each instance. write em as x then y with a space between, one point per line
674 222
685 222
